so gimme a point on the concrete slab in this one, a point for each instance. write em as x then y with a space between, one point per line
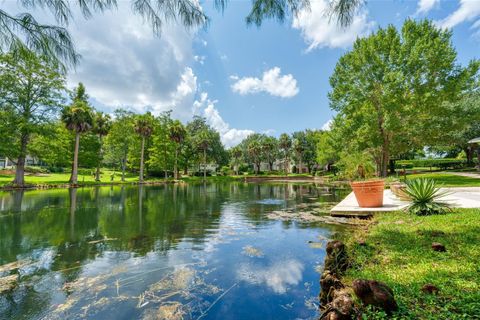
457 198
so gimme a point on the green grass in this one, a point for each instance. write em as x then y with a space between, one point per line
448 179
62 178
398 252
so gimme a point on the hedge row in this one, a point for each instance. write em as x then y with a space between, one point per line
428 163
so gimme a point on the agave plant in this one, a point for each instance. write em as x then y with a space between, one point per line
425 195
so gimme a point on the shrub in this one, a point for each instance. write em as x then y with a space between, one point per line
425 196
357 166
35 169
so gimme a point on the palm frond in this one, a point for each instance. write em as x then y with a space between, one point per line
344 10
275 9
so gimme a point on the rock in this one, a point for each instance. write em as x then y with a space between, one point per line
375 293
329 283
430 288
337 258
437 246
341 308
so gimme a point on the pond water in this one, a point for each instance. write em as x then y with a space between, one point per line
162 252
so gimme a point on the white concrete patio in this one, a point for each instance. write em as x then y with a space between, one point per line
457 198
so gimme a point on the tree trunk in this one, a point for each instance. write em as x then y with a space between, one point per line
469 152
175 169
271 166
100 153
385 158
478 156
74 176
20 165
141 160
301 165
204 164
124 164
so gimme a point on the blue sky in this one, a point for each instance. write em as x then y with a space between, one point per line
243 79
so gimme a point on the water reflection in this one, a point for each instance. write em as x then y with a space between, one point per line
115 252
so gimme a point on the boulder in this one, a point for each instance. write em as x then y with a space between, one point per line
329 283
375 293
437 246
341 308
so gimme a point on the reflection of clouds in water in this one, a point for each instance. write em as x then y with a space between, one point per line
277 276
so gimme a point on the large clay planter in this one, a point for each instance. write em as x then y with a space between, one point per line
369 194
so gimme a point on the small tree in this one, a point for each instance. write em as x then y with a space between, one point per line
78 118
177 135
144 128
102 125
285 143
30 97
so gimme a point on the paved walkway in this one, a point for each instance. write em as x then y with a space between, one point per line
457 198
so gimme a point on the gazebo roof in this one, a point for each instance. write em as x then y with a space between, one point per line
476 140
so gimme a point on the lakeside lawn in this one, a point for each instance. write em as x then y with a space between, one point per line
398 252
448 179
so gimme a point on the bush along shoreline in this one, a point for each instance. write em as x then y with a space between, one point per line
404 266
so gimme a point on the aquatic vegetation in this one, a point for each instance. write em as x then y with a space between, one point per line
252 252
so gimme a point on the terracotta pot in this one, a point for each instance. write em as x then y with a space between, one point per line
398 189
369 194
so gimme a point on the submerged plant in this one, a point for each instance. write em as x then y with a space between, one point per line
425 194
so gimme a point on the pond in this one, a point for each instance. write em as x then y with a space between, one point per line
183 251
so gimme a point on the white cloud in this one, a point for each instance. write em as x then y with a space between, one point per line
131 67
424 6
229 136
199 59
278 276
467 11
327 125
319 31
272 82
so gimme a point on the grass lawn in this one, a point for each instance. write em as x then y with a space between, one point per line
398 252
62 178
448 179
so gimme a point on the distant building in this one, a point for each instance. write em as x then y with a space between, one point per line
6 163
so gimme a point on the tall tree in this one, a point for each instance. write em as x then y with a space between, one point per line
78 117
30 97
285 143
299 145
203 141
390 90
177 135
102 125
144 128
120 139
236 156
270 150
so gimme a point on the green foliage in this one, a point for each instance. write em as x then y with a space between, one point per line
425 194
392 91
444 163
356 166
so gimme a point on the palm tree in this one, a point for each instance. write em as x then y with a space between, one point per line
285 144
177 135
101 127
299 148
144 127
236 154
78 118
204 139
254 149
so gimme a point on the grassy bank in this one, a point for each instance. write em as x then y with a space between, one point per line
61 179
398 252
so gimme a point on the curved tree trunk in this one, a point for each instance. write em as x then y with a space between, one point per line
20 165
74 176
140 178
